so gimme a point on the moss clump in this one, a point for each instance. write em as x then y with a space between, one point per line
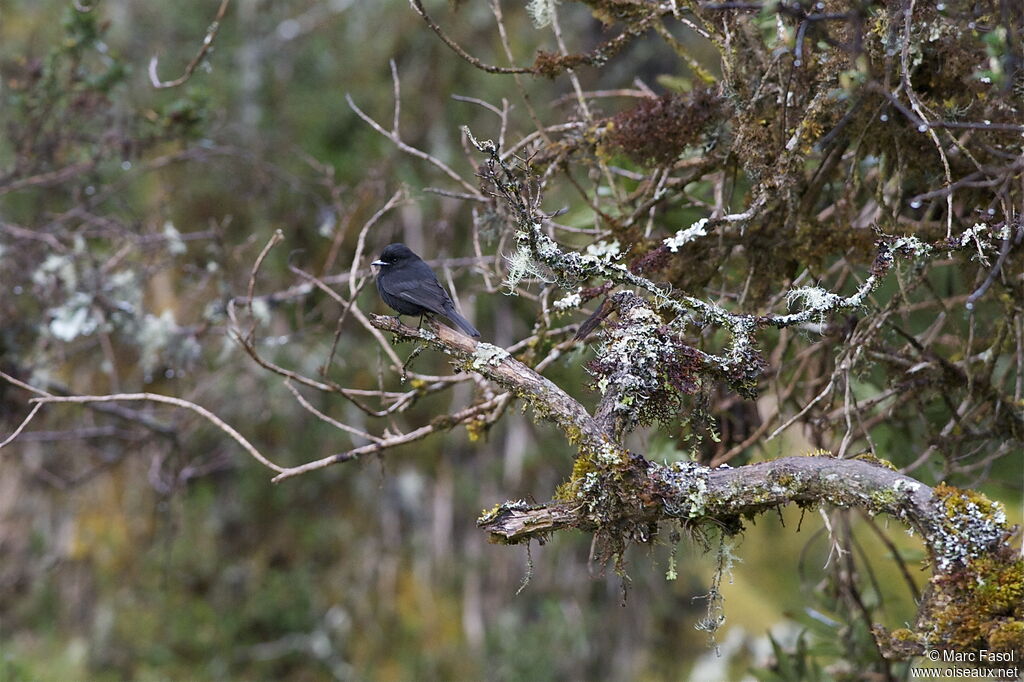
570 489
785 480
903 635
488 514
476 429
976 597
1007 636
646 363
959 502
977 607
658 129
868 457
883 500
899 644
981 606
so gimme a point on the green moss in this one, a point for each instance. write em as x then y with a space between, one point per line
976 600
982 605
488 514
584 464
884 499
785 480
878 461
904 635
573 434
1007 636
958 503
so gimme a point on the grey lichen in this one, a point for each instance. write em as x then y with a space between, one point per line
691 478
970 527
488 354
690 234
643 364
540 12
522 265
568 302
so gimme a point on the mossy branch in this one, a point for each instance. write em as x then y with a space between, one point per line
975 569
494 363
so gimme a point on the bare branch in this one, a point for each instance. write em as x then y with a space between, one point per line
48 179
211 35
418 6
442 423
393 136
324 418
22 425
45 398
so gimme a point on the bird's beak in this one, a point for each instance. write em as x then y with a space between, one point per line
378 262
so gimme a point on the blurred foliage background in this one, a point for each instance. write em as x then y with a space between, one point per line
140 543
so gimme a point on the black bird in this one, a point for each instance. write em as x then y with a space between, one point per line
408 285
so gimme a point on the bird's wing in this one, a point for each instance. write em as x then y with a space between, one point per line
423 292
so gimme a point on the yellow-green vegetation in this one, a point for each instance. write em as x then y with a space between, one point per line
979 605
878 461
582 466
972 526
976 597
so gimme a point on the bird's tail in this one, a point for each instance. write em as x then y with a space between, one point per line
461 322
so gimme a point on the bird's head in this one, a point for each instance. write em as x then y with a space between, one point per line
394 253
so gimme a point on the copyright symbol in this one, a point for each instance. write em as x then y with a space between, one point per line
933 655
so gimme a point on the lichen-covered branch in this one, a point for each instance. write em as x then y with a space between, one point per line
515 522
725 495
966 535
495 363
644 366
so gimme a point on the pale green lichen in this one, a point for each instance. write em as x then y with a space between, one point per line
904 485
568 302
520 266
689 477
604 251
163 342
175 244
487 354
973 525
814 298
683 237
911 245
261 311
610 455
541 12
74 318
56 269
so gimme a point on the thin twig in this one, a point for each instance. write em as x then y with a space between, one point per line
418 6
390 442
397 141
22 425
323 417
211 35
45 398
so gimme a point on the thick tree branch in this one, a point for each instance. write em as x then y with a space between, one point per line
966 535
497 365
695 493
